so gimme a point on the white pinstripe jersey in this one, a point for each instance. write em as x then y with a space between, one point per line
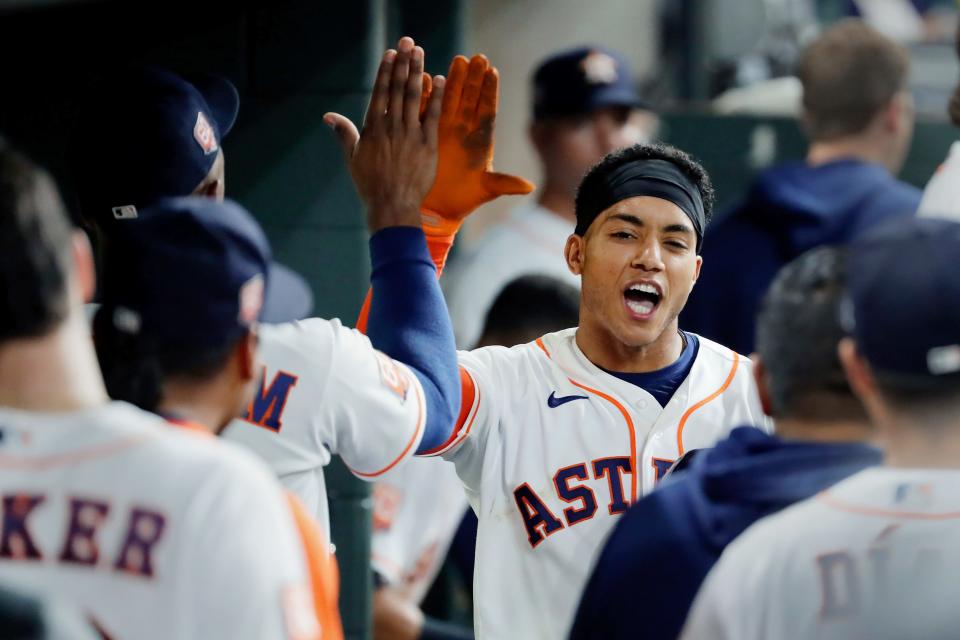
876 556
553 449
327 390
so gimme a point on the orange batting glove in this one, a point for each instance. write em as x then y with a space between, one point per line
465 179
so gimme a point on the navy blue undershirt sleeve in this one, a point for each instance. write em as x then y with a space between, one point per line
409 322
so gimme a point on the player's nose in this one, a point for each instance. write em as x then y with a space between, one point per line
648 256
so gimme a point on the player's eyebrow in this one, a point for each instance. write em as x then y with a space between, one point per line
677 228
626 217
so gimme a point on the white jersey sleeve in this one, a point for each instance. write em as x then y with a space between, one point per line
941 197
484 373
327 390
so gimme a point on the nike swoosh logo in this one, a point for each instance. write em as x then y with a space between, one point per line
553 401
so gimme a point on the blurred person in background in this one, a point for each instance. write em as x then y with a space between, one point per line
585 105
941 198
858 116
665 545
875 556
418 507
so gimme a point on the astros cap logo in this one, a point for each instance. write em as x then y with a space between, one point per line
204 135
599 68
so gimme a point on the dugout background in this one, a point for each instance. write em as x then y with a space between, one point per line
293 60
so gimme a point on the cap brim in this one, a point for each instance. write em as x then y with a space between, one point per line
618 97
288 298
222 97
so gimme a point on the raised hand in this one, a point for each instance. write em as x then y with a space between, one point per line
393 159
465 179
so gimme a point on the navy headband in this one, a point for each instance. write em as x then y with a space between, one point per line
645 177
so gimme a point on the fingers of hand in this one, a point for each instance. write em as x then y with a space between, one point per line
487 102
381 90
425 94
472 85
398 81
456 76
414 89
431 119
502 184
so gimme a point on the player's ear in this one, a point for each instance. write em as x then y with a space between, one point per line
696 270
247 356
85 273
574 252
762 378
861 379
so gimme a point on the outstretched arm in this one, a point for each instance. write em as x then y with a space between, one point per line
393 162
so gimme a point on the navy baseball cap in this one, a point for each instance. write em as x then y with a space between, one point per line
904 289
582 80
147 133
192 271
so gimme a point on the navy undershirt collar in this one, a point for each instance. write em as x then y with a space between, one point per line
663 383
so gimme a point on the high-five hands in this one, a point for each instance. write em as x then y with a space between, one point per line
393 159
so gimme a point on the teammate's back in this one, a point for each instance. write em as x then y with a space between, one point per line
150 530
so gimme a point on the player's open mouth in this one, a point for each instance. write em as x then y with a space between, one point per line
642 299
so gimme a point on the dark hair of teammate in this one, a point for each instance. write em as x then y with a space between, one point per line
136 366
849 74
529 307
34 249
798 330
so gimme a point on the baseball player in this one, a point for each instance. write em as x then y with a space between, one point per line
556 438
154 533
197 370
875 556
418 507
325 389
662 549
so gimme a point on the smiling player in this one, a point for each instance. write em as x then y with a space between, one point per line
556 438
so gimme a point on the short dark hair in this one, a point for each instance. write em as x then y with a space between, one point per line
529 307
849 74
798 330
135 366
655 151
34 249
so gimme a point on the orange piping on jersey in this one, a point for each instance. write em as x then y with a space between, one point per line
831 501
413 439
540 344
324 575
712 396
633 437
634 462
45 462
387 564
468 394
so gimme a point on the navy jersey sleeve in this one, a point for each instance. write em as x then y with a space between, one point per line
409 322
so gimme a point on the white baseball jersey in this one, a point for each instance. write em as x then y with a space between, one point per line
529 242
875 556
416 511
327 390
941 198
153 532
554 449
